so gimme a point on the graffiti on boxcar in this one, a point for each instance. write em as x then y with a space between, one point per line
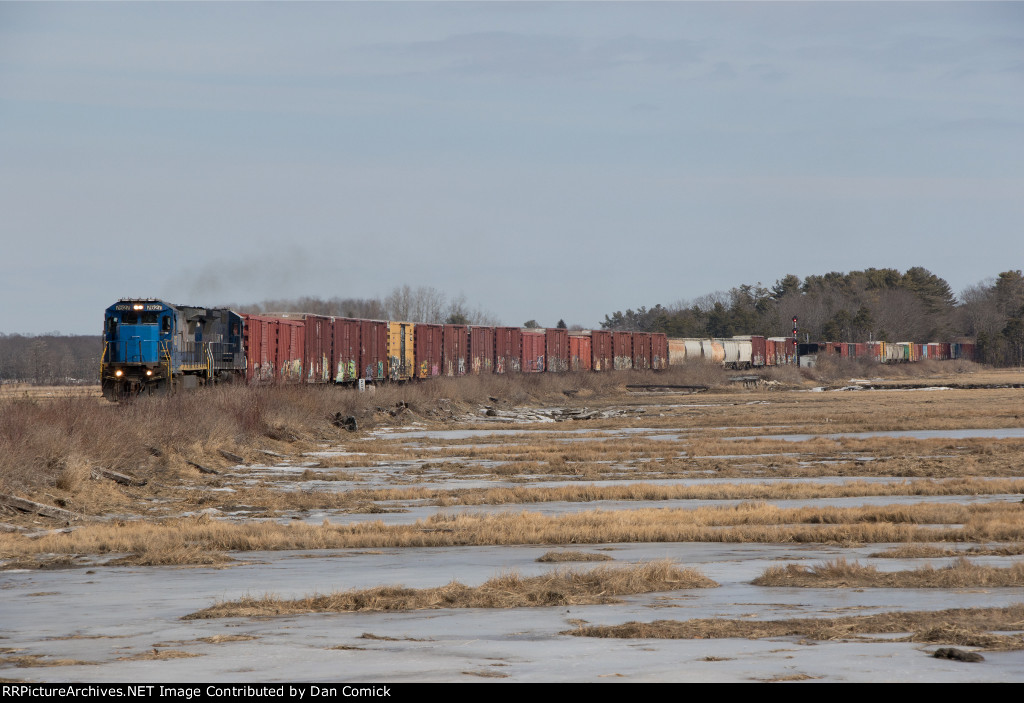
346 371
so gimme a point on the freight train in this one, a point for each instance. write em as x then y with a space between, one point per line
150 346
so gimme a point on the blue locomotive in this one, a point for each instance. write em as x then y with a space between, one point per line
150 346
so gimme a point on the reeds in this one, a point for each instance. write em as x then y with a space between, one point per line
965 627
508 590
747 522
843 574
571 555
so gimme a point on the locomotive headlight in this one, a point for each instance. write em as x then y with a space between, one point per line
149 372
119 372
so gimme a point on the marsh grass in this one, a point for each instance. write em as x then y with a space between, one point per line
843 574
717 491
48 449
159 655
745 522
37 437
918 551
965 627
572 555
24 661
509 590
221 639
183 555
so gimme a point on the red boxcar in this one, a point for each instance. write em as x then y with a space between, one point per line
427 350
602 357
659 351
641 350
556 349
319 348
780 351
481 349
454 350
273 348
373 349
580 354
319 343
507 350
758 350
532 345
345 357
622 350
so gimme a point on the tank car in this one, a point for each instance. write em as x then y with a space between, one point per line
150 346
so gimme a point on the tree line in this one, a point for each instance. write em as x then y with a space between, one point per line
859 306
419 304
50 360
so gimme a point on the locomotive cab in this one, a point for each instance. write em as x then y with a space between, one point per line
136 348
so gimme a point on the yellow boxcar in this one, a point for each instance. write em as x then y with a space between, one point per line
401 359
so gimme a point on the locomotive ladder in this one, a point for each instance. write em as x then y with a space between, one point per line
209 361
166 353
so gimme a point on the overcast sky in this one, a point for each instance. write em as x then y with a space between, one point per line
546 160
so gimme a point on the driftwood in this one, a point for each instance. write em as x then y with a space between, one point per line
231 457
29 506
7 527
202 469
123 479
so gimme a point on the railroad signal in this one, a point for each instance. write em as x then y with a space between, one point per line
794 325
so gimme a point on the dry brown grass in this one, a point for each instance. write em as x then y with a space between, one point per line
221 639
918 551
28 391
843 574
486 673
37 438
509 590
44 562
781 678
24 661
159 654
183 555
718 491
746 522
572 555
48 449
964 627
